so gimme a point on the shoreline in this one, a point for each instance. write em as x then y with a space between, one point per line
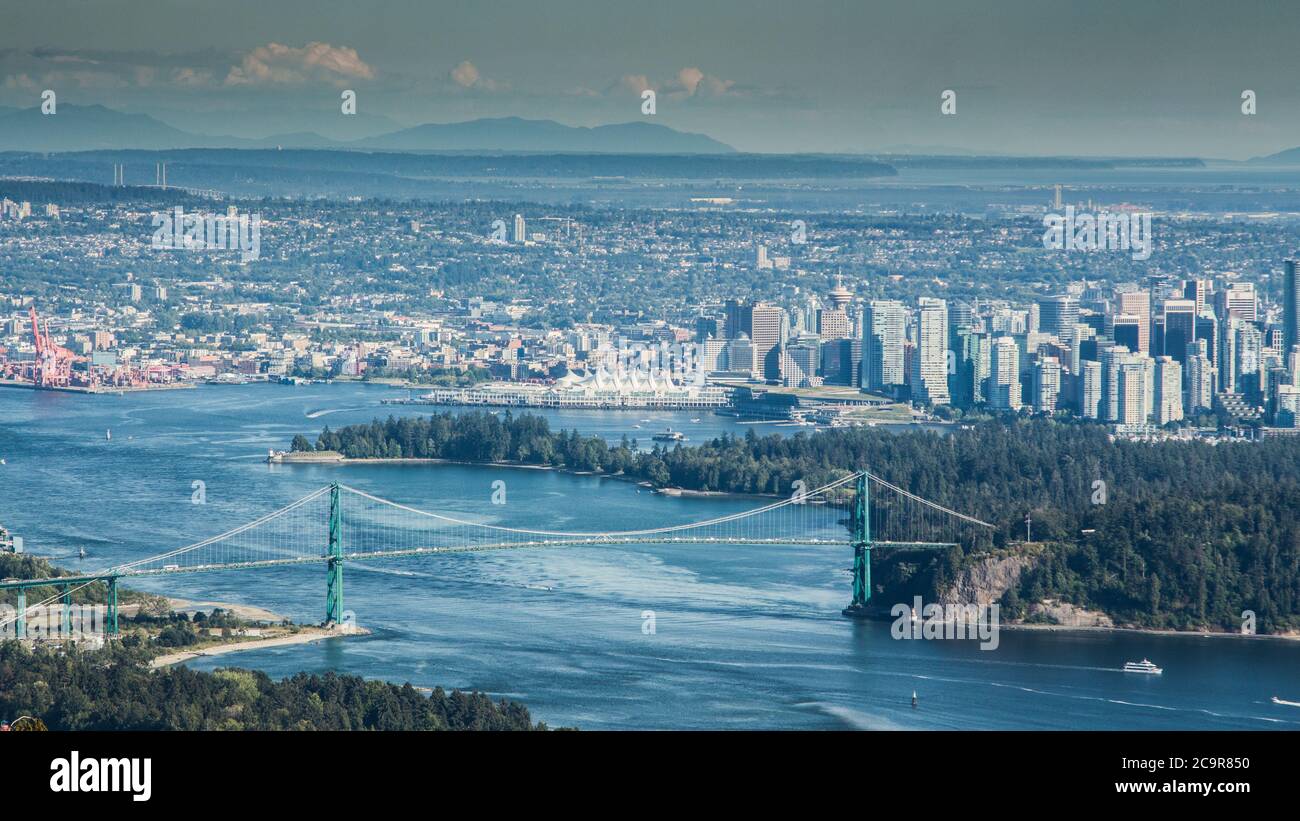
307 635
1151 631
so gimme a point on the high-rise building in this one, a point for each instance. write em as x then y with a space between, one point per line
1201 378
1195 291
767 332
520 234
1237 299
883 335
930 361
799 361
1131 392
740 355
1091 389
1046 384
1004 374
1169 390
1058 314
1126 330
1290 306
1133 301
1180 327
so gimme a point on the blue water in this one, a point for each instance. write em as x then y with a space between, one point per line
745 637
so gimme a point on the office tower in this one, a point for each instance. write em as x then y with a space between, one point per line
1090 389
1058 314
1207 328
1288 407
930 361
761 262
1250 349
739 318
1195 291
961 315
1224 356
740 355
1136 302
971 352
1046 384
767 332
712 353
1169 390
1201 379
709 327
1126 330
1113 358
1180 327
1004 374
842 362
1130 385
1237 299
799 362
883 335
1290 306
520 234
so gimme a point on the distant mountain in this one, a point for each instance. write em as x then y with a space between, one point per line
82 128
545 136
1291 156
94 127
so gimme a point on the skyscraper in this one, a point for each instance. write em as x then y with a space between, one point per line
1091 389
767 332
1180 327
1137 303
1047 384
520 234
1004 374
883 334
1169 390
1058 314
1290 306
930 362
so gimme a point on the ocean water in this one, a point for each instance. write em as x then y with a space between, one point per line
745 637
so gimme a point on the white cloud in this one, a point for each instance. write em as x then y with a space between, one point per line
278 64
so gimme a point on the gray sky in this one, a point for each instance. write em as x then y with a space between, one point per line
1041 77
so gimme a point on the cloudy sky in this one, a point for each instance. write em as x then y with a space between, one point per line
1031 76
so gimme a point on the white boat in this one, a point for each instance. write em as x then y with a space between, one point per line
1277 700
1142 666
108 434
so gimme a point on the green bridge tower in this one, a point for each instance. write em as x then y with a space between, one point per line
334 577
861 524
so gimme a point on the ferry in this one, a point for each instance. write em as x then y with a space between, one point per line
1142 666
669 435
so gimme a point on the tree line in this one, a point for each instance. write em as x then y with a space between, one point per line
113 689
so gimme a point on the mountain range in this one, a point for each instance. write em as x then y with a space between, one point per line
94 127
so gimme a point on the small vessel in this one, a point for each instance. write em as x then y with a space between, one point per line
913 698
1277 700
108 434
1142 666
81 553
669 435
695 420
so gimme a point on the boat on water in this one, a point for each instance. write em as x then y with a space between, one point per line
108 434
1277 700
1143 666
81 553
669 435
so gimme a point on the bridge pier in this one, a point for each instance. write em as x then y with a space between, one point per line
334 571
67 611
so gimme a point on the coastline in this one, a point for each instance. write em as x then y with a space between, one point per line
307 635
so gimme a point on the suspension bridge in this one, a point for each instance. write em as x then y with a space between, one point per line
338 524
